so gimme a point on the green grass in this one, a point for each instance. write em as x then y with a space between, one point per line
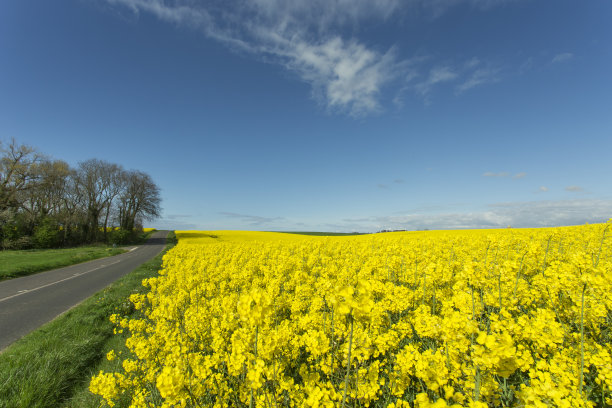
26 262
52 366
14 264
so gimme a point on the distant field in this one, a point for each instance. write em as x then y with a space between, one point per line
324 234
20 263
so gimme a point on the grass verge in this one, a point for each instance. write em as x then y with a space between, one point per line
26 262
53 364
14 264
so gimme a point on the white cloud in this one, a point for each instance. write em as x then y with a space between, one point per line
251 219
574 189
472 63
563 57
439 7
504 174
527 65
346 75
492 174
309 39
499 215
480 76
543 189
174 224
436 75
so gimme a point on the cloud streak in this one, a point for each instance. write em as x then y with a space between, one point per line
502 174
346 75
563 57
492 174
499 215
480 76
251 219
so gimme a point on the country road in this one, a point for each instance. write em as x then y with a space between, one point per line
29 302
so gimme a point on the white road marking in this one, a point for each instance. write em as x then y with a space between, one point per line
133 249
24 291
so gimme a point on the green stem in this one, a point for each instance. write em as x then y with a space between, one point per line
256 336
476 369
500 290
518 275
546 255
348 363
601 244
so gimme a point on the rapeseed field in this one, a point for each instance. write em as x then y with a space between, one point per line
479 318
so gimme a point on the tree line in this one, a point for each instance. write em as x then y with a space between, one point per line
45 202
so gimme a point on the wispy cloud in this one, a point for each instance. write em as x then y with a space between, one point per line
345 74
563 57
436 75
177 216
309 39
251 219
499 215
543 189
574 189
526 66
439 7
504 174
168 223
480 76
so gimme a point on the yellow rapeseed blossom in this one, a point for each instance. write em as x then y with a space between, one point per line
480 319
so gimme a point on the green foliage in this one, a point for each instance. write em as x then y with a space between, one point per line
121 237
47 234
44 203
18 243
171 239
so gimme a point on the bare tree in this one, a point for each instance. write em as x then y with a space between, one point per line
45 197
94 182
45 202
73 211
116 186
140 200
17 172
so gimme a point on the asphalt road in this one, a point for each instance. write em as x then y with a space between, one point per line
28 302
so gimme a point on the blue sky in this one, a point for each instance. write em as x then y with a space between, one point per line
332 115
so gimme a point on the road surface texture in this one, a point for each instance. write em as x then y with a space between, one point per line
29 302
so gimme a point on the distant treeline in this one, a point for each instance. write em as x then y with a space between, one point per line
46 203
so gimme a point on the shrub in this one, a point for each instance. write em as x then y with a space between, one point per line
46 235
121 237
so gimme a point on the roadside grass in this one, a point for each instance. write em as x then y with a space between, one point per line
53 365
26 262
14 264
